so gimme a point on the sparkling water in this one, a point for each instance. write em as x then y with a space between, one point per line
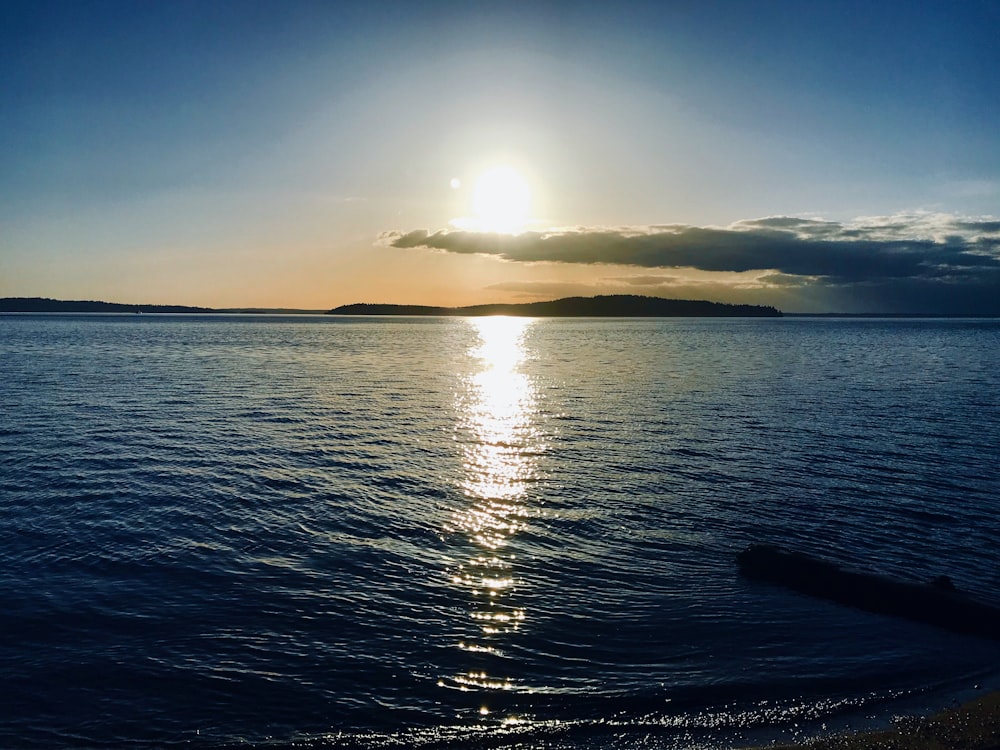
483 532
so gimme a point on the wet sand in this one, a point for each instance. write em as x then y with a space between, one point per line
972 726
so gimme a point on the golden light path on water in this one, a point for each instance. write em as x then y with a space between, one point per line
499 462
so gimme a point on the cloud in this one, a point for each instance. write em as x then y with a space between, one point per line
547 289
899 260
889 248
787 280
646 281
649 284
979 227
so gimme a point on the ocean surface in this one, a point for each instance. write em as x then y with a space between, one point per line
231 531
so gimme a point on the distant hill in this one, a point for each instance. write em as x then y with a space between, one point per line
45 305
605 306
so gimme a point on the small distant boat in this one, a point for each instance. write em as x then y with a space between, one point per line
936 603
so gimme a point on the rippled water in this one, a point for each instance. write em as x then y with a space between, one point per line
361 533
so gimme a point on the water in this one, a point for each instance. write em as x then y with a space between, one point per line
450 533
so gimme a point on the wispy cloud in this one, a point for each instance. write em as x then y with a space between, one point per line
907 258
547 289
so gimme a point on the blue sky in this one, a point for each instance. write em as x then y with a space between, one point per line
308 154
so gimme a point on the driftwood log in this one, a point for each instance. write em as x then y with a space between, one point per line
936 603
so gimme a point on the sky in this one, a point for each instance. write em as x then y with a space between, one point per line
819 157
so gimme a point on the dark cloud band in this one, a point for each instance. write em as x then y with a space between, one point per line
900 248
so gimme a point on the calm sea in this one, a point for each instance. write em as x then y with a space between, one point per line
492 532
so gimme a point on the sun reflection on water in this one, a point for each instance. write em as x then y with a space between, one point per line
499 463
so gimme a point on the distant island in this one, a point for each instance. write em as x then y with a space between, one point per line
46 305
603 306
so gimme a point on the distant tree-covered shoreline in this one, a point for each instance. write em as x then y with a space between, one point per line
610 306
44 304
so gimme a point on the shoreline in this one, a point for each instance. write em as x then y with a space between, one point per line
972 725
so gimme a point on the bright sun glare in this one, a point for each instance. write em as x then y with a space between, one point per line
501 200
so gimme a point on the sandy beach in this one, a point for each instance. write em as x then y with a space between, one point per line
974 725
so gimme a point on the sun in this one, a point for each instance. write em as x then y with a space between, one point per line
501 201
